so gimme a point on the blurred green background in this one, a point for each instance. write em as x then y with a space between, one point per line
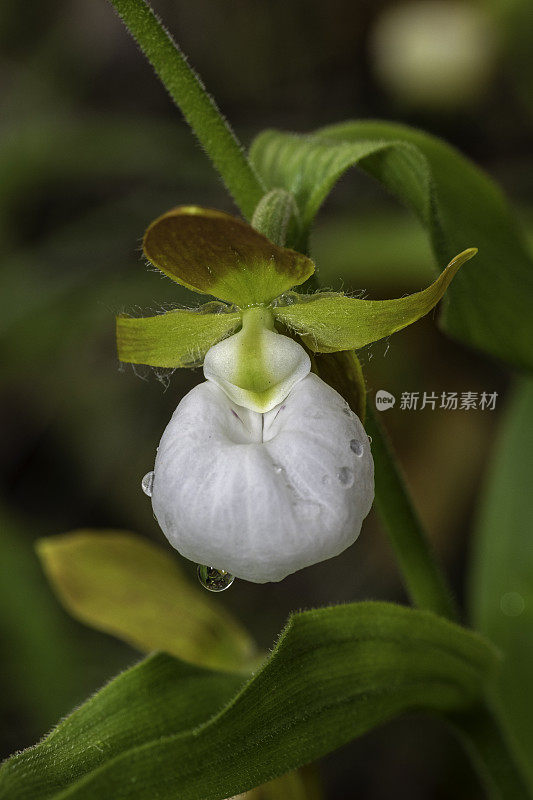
91 151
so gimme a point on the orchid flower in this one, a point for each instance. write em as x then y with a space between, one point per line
263 469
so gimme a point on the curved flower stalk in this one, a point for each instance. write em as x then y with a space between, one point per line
263 469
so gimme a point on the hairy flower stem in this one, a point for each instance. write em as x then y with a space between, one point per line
197 106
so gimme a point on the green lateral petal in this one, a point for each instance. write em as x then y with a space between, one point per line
176 339
214 253
328 323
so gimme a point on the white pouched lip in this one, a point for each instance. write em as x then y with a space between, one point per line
263 495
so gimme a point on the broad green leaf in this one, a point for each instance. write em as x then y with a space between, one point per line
488 306
124 585
158 698
501 596
334 674
179 338
328 322
214 253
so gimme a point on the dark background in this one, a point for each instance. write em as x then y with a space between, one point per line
91 151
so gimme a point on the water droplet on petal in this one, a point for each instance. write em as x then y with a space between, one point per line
326 480
356 447
345 476
370 439
277 468
213 579
147 483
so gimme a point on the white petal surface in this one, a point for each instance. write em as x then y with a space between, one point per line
263 495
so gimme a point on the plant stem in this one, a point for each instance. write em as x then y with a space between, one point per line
197 106
423 575
484 737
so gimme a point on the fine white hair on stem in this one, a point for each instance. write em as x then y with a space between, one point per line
263 495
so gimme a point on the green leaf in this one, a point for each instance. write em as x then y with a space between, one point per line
122 584
157 698
488 306
214 253
179 338
198 107
329 322
334 674
501 596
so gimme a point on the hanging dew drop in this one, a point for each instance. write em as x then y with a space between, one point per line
147 483
213 579
356 447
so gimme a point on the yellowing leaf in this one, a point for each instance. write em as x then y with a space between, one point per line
122 584
328 323
214 253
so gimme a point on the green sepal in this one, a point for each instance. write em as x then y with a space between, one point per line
328 323
214 253
178 338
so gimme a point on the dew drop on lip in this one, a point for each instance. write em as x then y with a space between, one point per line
214 580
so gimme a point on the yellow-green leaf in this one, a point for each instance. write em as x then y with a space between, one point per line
329 322
178 338
122 584
214 253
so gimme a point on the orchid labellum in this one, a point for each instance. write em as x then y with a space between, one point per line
263 469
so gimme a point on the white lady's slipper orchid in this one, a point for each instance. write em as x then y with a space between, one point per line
263 469
263 495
